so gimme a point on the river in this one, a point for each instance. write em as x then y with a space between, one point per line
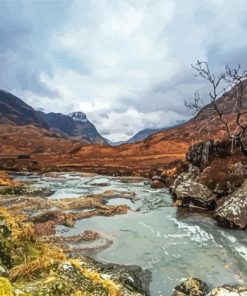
172 243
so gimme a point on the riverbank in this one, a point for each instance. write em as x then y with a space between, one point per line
29 266
213 178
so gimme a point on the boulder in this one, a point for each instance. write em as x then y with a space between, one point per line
201 154
233 212
223 176
229 291
156 184
193 194
157 178
187 192
238 169
191 287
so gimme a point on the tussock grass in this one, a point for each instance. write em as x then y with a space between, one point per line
49 255
96 278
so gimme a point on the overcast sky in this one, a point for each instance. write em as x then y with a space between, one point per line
126 64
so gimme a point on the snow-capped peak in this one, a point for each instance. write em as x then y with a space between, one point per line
79 116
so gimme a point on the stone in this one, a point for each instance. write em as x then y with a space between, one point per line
233 212
3 271
157 178
193 194
201 154
229 291
187 192
156 184
191 287
132 276
239 169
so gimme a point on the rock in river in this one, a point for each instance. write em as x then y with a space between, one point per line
229 291
157 184
188 192
191 287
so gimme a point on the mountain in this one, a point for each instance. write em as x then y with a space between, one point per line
114 143
157 150
74 126
141 135
23 130
14 111
226 103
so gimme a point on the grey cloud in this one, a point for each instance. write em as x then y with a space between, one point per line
23 54
119 67
105 132
217 57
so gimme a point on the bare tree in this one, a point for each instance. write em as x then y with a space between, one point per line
230 85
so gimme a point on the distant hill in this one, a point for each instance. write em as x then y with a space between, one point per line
114 143
14 111
141 135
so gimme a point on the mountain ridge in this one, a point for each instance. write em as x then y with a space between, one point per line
75 126
13 110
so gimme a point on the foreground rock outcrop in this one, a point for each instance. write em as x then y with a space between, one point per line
30 267
233 212
191 287
217 181
188 192
196 287
229 291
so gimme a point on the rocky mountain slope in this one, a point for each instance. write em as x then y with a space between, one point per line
226 103
156 151
25 130
14 111
29 139
74 126
143 134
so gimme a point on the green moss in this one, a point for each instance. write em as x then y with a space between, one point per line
6 288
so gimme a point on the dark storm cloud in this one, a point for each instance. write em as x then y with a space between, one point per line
24 52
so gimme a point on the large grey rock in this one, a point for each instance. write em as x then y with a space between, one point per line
191 287
229 291
193 194
201 154
233 212
187 192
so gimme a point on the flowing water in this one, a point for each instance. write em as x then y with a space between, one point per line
172 243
